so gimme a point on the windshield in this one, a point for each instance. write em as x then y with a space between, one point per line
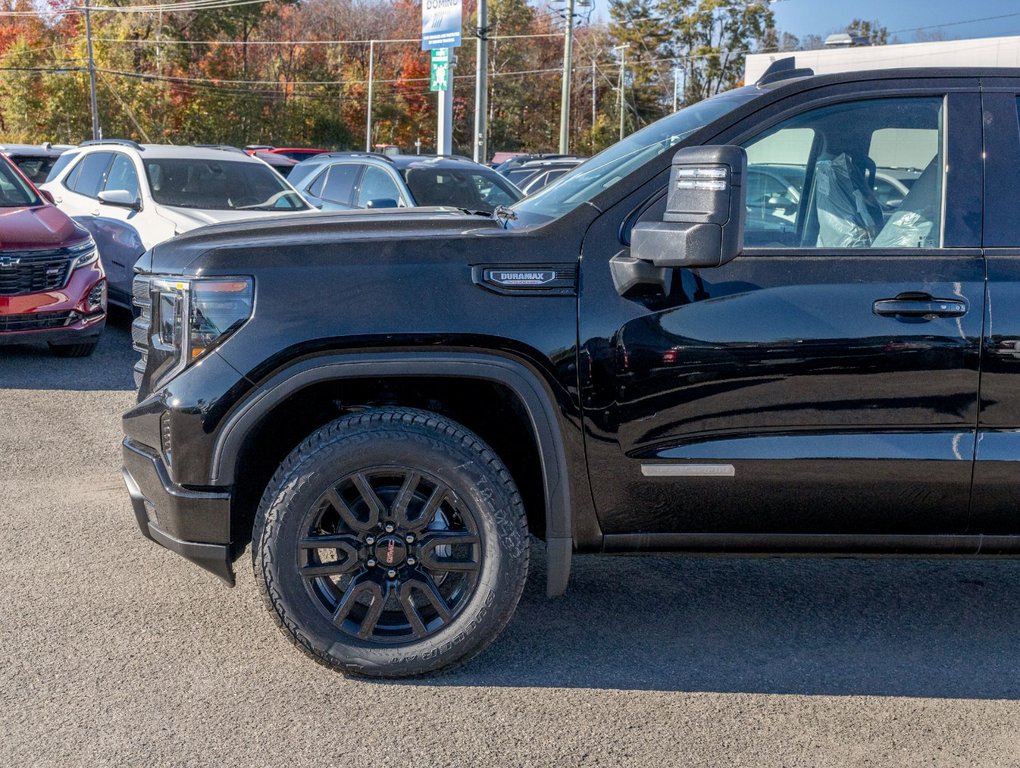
36 167
14 192
220 185
475 190
597 175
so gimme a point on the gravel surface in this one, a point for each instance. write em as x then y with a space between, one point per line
114 652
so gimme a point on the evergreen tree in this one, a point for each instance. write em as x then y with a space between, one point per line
639 25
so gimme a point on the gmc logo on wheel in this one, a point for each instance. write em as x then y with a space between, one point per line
389 552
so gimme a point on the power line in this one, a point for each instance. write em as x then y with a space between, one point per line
59 70
243 43
217 82
185 5
955 23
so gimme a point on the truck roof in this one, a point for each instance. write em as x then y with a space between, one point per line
786 70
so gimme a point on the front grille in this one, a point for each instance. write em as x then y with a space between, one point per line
141 298
39 321
24 272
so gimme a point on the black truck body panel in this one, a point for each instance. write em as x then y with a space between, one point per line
758 407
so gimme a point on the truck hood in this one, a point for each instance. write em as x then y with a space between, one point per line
315 228
38 228
187 219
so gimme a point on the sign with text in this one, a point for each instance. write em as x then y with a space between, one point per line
440 80
440 24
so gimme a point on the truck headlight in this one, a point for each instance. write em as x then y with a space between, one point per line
190 317
218 308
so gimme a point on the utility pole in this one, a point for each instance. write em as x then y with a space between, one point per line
623 74
594 95
97 132
444 133
568 49
481 151
676 86
371 73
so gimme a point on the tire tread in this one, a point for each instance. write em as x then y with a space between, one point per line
397 422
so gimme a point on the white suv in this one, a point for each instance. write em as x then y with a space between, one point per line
133 196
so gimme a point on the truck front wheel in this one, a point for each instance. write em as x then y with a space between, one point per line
391 543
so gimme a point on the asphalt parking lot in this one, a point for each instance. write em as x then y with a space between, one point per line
114 652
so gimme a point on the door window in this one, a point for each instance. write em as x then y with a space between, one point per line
315 188
865 174
122 176
62 162
340 183
376 184
92 174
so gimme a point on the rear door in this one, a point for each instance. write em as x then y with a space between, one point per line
996 487
83 183
333 189
824 384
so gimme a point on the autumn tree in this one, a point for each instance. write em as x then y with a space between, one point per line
712 38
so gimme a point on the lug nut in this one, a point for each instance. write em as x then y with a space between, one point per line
370 540
371 562
409 538
411 561
389 528
391 573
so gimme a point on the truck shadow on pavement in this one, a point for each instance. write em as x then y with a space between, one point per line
109 368
919 628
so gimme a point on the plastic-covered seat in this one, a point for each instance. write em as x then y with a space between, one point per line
849 214
915 222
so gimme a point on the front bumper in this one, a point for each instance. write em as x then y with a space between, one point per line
194 524
63 316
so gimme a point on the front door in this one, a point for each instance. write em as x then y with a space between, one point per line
115 228
825 382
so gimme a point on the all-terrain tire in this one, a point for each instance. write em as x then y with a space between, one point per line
423 443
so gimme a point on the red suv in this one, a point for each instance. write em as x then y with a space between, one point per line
52 284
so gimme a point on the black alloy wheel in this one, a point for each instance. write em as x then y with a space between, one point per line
390 554
391 543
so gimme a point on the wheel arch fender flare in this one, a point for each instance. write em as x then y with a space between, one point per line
528 386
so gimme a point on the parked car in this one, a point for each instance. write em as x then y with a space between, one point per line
282 164
342 181
541 173
294 153
520 158
34 160
501 157
131 196
52 284
622 362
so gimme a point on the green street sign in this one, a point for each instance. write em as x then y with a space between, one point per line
440 79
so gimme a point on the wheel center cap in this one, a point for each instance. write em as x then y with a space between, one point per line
390 551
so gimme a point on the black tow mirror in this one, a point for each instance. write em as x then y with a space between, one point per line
705 211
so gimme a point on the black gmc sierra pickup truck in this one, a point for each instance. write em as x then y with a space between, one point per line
782 320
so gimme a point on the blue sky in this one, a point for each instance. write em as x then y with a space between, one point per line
804 17
822 17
